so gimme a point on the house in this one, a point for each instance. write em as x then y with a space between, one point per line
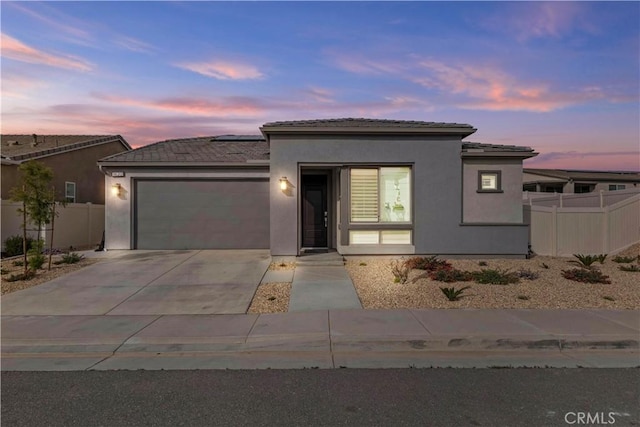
73 158
357 186
577 181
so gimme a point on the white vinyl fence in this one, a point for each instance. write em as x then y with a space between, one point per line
565 230
597 199
79 225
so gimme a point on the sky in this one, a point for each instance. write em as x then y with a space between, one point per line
562 78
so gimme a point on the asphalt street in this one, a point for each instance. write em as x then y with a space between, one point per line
407 397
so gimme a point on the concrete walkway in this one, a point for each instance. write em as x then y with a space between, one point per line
324 339
320 282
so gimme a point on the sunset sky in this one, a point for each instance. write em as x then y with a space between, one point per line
563 78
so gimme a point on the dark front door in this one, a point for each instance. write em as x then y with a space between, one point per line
315 220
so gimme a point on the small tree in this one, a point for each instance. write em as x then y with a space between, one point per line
34 192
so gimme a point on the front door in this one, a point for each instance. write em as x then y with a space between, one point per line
315 220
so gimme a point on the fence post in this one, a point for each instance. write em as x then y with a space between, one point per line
561 200
89 228
601 199
605 230
554 231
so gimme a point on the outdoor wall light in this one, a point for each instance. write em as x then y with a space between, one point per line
284 184
116 189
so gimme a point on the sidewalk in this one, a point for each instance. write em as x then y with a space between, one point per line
325 339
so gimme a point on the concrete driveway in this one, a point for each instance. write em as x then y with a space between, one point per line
149 283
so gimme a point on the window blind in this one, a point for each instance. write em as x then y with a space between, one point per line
364 195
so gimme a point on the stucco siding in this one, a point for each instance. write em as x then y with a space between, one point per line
499 207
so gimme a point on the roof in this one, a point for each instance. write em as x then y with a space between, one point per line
18 148
477 149
362 125
582 175
206 149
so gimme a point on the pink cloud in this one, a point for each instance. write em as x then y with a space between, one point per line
229 106
133 44
53 18
16 50
224 70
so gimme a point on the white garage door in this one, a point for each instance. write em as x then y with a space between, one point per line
202 214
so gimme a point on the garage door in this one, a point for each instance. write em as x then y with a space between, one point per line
202 214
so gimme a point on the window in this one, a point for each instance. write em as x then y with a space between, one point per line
613 187
375 237
70 192
381 195
489 182
583 188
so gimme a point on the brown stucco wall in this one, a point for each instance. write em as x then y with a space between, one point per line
77 166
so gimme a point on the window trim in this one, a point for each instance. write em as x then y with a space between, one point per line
66 194
498 175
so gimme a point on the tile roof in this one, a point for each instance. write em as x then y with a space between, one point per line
208 149
582 175
477 146
21 147
365 123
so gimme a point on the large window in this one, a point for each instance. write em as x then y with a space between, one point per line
381 195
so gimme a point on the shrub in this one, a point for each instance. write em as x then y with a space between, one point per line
545 266
495 277
585 275
525 273
450 275
18 263
30 274
482 263
3 271
400 271
36 258
71 258
362 264
454 294
632 267
430 263
587 261
624 259
13 245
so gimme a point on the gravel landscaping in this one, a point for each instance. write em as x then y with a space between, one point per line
271 298
43 275
376 288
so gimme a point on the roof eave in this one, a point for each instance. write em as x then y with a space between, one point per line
328 130
501 154
182 165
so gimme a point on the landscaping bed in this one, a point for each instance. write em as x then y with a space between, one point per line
378 289
10 267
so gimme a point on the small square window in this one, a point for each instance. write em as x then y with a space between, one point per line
70 192
489 181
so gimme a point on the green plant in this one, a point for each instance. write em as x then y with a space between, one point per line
482 263
36 258
608 298
454 294
525 273
587 261
545 266
523 297
362 264
30 274
18 263
450 275
625 259
632 267
430 263
400 271
3 271
495 277
585 275
71 258
13 245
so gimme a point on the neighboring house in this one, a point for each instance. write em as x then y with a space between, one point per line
573 181
357 186
73 159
